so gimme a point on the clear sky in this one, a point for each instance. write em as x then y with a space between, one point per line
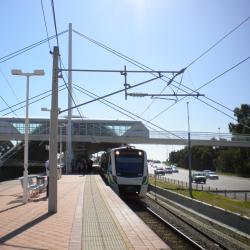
161 34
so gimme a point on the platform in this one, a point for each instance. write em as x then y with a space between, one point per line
90 216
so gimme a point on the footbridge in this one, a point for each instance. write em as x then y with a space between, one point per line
113 131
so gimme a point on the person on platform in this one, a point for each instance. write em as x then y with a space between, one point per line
47 173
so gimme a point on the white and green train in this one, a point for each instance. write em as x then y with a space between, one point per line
125 170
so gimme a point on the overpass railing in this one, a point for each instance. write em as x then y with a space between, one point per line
199 136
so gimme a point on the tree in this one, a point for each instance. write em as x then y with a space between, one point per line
243 119
224 159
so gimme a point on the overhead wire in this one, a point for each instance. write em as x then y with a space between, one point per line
205 84
12 90
54 20
12 111
31 98
140 65
218 42
112 93
113 105
60 60
66 85
199 57
46 28
27 48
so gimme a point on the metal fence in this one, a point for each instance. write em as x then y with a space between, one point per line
233 194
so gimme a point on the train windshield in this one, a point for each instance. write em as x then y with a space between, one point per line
129 165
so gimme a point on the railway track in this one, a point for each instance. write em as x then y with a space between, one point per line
179 232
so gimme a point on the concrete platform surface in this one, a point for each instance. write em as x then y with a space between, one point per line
90 216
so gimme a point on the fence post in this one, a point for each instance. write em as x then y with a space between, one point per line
235 195
245 196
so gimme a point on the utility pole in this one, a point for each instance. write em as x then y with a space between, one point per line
52 204
69 127
189 156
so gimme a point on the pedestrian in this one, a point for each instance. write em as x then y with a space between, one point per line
47 173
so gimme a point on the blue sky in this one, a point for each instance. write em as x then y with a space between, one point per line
162 34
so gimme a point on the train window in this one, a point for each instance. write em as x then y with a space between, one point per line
129 165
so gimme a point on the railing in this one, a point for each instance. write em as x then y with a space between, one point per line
234 194
199 136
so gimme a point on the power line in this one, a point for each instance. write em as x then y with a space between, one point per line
110 104
132 61
210 81
219 41
6 80
66 85
27 48
45 23
30 100
54 19
12 111
110 94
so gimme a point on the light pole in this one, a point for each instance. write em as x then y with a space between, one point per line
219 133
189 156
19 72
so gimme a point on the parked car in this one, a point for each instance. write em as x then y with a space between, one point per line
168 170
174 169
212 175
159 171
199 177
206 171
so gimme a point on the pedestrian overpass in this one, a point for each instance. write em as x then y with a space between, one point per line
113 131
92 136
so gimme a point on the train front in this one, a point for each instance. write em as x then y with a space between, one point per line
131 171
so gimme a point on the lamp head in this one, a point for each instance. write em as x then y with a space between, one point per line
16 72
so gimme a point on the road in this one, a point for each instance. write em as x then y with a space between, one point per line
224 182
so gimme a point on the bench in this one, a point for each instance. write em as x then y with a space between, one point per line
36 184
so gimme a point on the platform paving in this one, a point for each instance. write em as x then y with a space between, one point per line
86 219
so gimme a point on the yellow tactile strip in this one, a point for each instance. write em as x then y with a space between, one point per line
134 229
99 230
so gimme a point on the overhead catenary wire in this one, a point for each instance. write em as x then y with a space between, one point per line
12 111
205 84
54 20
142 66
66 85
218 42
27 48
111 105
203 54
46 27
7 81
30 103
110 94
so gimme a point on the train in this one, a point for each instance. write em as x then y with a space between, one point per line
125 170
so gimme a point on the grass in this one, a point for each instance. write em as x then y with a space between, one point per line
236 206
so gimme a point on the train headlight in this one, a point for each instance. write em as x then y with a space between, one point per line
117 152
140 153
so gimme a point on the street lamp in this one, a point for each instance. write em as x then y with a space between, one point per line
19 72
189 156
